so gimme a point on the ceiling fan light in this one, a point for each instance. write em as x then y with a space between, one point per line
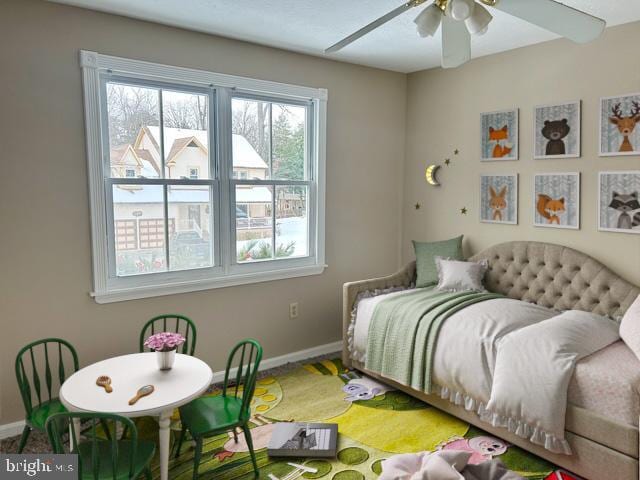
478 22
428 21
460 9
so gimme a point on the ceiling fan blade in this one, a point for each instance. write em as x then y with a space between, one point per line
555 17
456 43
373 25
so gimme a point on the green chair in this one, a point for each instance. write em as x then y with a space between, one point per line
208 416
171 323
40 399
98 457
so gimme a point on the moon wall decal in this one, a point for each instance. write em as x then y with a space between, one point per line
430 175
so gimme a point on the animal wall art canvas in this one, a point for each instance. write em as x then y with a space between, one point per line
557 200
619 129
557 130
499 199
619 202
499 135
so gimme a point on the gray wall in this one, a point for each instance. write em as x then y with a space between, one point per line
443 113
45 254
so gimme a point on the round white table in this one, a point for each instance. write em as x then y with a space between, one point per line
188 379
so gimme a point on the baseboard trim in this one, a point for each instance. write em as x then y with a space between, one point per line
289 358
12 429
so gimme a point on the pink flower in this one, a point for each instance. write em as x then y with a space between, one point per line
164 341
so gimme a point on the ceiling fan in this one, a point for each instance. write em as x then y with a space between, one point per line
462 18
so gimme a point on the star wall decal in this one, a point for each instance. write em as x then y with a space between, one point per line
463 210
417 206
455 152
447 161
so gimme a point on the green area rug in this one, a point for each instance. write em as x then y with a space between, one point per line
369 431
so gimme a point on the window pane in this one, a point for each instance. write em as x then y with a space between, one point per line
254 223
190 241
132 114
186 135
251 138
139 229
289 135
292 224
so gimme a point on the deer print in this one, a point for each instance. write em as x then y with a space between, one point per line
497 203
625 125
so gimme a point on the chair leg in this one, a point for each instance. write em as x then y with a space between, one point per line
105 427
180 440
249 440
147 474
23 439
235 434
196 457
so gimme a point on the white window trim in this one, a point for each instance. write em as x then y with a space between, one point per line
93 64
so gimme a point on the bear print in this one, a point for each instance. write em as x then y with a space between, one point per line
555 131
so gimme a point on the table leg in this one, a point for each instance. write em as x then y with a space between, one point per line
74 427
164 433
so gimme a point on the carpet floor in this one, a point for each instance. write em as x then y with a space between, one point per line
371 430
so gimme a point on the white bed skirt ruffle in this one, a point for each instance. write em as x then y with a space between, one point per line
518 427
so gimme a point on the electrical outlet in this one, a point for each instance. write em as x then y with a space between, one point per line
293 310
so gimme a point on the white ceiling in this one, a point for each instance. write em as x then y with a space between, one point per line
310 26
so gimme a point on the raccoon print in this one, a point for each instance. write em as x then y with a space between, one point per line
625 203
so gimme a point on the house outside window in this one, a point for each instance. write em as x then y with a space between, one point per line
227 178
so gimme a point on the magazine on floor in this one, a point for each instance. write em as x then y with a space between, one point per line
301 439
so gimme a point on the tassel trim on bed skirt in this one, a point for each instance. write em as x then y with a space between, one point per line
358 357
518 427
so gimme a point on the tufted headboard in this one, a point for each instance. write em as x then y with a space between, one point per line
556 277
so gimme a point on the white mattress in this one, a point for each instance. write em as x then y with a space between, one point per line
606 382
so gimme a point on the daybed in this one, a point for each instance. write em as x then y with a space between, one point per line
603 407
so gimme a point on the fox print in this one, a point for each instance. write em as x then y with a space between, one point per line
625 203
498 135
497 202
550 208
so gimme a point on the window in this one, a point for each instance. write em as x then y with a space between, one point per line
200 180
269 163
156 124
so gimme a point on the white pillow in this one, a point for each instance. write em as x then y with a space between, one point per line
459 276
630 327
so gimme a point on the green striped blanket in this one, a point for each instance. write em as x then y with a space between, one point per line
404 330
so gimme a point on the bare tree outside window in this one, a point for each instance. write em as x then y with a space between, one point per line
130 108
185 111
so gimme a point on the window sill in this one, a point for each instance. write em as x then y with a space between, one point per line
208 284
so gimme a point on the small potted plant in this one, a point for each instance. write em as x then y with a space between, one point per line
165 345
